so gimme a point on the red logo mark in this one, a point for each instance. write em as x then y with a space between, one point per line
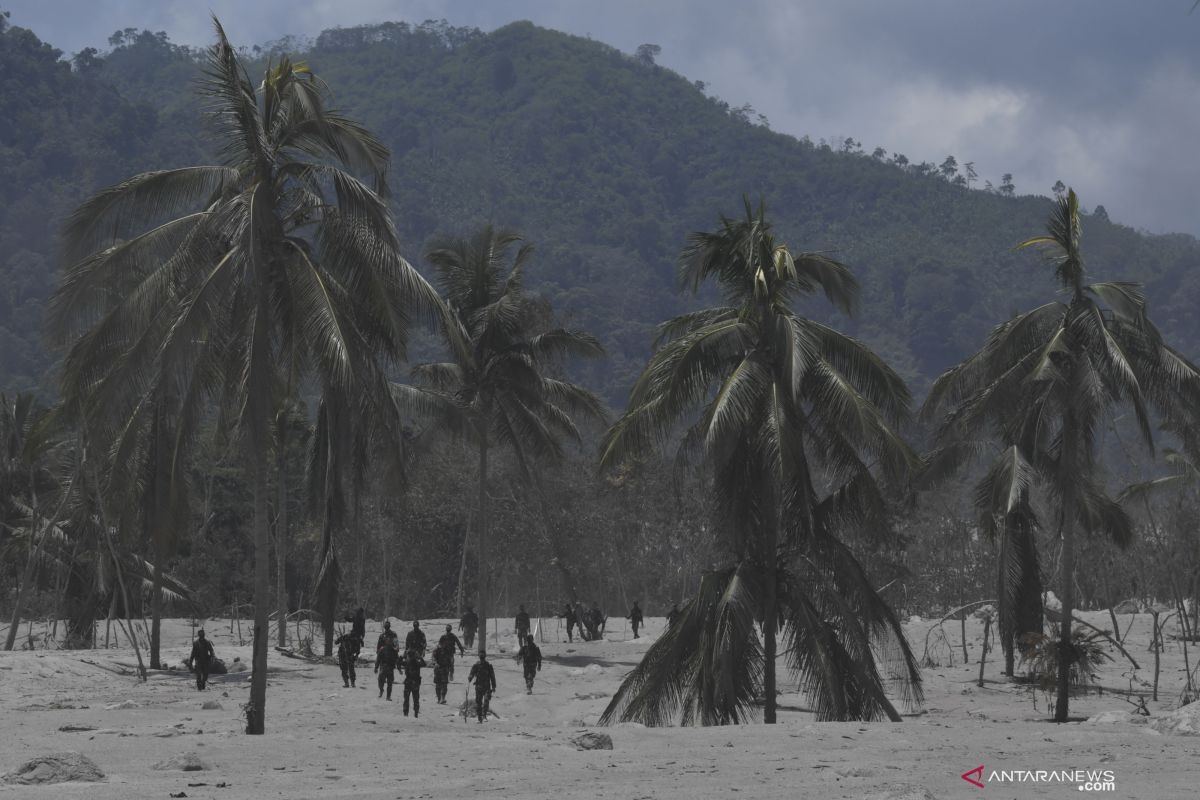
978 780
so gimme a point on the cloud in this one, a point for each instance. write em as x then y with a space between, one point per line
1100 94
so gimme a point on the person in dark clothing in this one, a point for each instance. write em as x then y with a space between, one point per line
530 657
349 646
468 625
387 655
594 619
415 639
635 618
443 663
388 635
449 641
201 658
358 625
484 678
522 624
412 681
673 614
572 620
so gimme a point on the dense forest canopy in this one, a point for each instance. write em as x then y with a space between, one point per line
605 159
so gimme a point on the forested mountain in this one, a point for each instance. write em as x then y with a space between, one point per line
605 160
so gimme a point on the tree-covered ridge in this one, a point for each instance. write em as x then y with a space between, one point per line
604 159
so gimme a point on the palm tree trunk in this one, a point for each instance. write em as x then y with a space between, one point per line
23 593
483 544
157 515
35 549
770 611
281 536
1065 646
156 606
256 712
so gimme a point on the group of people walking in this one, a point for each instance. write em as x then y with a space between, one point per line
410 660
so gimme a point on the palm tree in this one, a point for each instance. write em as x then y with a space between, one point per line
1043 384
278 255
796 426
28 483
498 390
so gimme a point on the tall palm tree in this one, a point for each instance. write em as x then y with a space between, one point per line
1043 384
278 255
796 426
499 390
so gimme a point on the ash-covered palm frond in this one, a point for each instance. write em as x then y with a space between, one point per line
707 667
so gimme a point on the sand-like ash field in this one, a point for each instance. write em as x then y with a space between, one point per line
326 741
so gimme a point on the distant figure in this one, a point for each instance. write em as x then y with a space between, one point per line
635 618
443 664
415 639
387 655
672 615
595 621
412 681
358 625
201 658
581 614
484 678
572 620
531 659
349 646
449 641
468 625
522 624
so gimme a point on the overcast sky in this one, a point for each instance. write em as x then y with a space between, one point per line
1102 94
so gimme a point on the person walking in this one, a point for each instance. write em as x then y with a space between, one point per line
443 664
349 646
635 618
468 625
358 625
412 681
415 640
449 641
521 623
572 620
484 678
530 657
387 656
201 658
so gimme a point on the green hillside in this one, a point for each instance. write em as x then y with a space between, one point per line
604 160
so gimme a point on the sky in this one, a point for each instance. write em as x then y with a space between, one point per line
1101 94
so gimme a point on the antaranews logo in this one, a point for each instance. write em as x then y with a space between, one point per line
1085 780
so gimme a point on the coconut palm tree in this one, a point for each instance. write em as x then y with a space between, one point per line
795 423
1042 386
279 255
29 485
499 390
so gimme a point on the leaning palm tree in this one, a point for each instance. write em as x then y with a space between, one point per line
1042 386
795 423
279 255
499 390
